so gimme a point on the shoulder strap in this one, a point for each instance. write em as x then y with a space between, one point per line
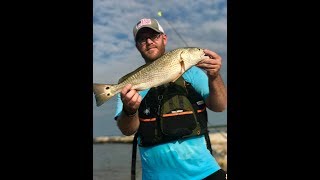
209 147
206 135
134 157
180 81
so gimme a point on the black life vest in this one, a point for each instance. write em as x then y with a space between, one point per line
171 112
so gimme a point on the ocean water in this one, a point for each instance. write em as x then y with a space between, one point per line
113 162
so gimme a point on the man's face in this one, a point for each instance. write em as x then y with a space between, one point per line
151 44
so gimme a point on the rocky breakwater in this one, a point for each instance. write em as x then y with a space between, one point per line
219 148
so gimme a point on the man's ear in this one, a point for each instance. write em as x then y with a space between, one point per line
165 38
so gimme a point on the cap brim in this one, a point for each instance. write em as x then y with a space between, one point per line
155 29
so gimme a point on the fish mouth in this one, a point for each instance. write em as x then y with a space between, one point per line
203 55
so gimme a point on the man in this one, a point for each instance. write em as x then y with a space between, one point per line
183 154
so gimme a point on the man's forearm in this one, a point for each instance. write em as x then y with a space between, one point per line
217 99
128 125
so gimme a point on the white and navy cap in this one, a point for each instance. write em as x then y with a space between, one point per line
148 23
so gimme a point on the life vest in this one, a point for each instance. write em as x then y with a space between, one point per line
170 112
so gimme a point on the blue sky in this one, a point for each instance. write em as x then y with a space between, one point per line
201 23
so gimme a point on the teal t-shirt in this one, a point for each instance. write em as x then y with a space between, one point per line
182 159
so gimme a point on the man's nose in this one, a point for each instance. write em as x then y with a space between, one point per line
149 41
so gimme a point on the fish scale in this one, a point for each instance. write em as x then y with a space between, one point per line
167 68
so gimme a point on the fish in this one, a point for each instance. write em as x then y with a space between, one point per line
167 68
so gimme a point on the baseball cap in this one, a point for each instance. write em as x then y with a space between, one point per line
149 23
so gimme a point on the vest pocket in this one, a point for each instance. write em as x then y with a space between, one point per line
149 133
177 117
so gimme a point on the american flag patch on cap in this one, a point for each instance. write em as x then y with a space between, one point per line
143 22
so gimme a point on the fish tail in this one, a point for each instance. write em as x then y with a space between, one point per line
103 92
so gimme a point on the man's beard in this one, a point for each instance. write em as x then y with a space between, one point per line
161 50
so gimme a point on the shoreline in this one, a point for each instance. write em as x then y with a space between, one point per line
215 138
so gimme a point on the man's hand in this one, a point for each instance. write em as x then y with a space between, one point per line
131 99
212 64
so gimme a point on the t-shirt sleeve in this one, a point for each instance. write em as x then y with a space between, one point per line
118 107
198 79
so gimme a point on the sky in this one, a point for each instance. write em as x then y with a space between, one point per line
193 23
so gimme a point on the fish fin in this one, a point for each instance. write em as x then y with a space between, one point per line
133 72
183 69
103 92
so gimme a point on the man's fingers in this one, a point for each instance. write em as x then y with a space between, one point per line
208 66
127 93
125 90
137 102
211 54
134 97
209 63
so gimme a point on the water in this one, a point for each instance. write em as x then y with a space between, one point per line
113 162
